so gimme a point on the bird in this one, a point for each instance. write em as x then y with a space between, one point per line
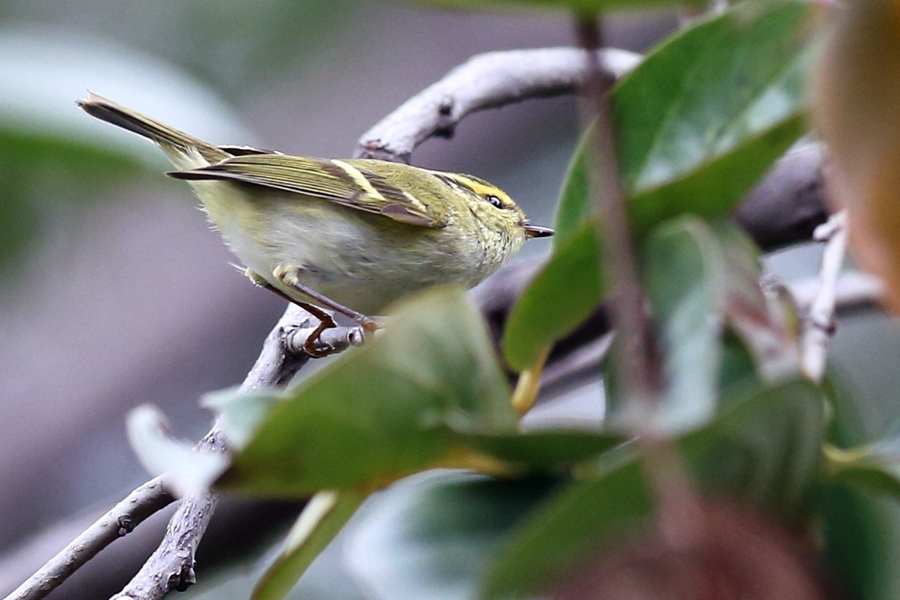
349 235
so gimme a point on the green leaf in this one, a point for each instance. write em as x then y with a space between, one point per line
383 410
434 536
685 282
860 531
587 517
50 149
575 205
318 524
560 297
538 450
697 122
764 321
763 453
709 110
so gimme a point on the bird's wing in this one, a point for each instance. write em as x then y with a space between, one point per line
349 183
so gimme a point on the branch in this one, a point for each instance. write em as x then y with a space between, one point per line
118 522
818 326
171 566
489 80
281 357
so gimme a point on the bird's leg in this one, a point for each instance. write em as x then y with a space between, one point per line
326 321
289 276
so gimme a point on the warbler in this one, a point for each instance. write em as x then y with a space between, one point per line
349 235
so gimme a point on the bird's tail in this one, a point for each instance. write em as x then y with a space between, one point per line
182 149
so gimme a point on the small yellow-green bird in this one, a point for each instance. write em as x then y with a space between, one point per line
348 235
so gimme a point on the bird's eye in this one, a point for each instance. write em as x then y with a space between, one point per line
494 201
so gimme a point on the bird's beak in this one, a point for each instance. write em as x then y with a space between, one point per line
533 231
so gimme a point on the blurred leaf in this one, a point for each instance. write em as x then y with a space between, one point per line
764 321
560 297
861 532
845 427
764 451
187 470
586 517
685 282
763 454
46 70
240 413
859 116
434 536
697 122
875 466
543 449
51 152
318 524
383 410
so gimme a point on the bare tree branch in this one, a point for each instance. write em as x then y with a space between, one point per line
489 80
171 566
118 522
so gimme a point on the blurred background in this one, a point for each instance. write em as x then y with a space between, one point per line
114 292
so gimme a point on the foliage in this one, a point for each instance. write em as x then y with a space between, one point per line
737 423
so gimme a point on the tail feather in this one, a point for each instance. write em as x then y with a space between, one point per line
168 138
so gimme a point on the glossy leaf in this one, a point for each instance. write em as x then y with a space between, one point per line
384 410
575 205
763 454
697 123
707 113
560 297
321 520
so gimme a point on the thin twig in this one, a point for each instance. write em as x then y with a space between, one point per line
118 522
171 566
854 291
818 327
281 357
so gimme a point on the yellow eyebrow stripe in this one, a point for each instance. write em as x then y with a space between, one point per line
472 184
